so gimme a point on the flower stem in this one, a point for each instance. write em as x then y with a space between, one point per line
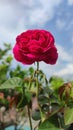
29 118
37 66
37 85
37 79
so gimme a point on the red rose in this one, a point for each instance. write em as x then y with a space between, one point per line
35 45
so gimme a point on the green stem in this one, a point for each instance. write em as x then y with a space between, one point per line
37 66
37 79
37 84
29 118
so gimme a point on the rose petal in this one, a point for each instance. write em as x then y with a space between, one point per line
19 56
51 56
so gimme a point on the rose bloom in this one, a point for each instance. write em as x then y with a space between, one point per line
34 46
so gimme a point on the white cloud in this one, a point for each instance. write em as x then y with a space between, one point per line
43 12
63 54
60 23
19 15
67 70
70 2
33 12
8 35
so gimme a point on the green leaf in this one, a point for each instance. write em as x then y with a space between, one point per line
55 82
43 99
3 102
71 94
28 96
9 59
55 108
23 102
50 124
31 70
62 123
68 115
43 116
12 83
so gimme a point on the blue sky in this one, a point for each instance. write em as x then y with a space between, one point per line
55 16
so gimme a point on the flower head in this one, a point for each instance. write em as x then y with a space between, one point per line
34 46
